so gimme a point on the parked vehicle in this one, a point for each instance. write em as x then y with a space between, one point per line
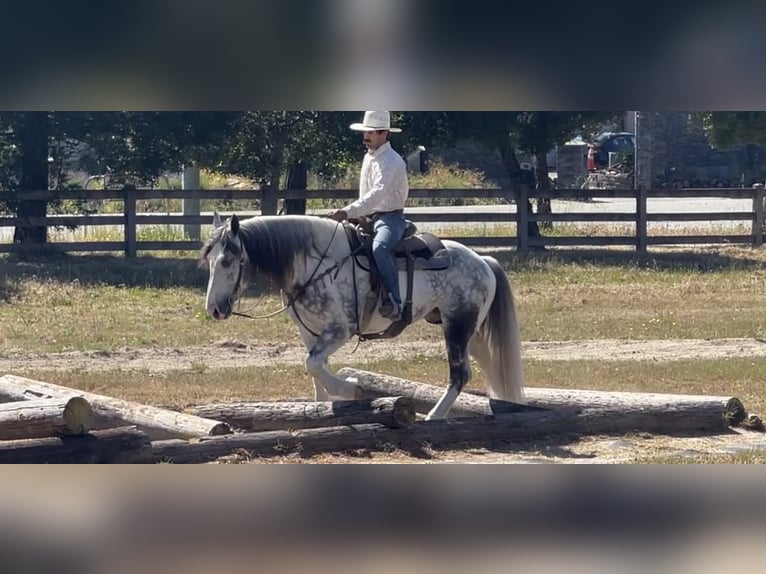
617 142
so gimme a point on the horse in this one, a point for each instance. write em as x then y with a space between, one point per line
324 287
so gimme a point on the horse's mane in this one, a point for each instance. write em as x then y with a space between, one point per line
272 243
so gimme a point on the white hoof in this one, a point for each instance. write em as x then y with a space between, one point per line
434 416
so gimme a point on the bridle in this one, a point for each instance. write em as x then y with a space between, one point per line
298 293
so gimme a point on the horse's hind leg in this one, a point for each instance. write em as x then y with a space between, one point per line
457 333
327 386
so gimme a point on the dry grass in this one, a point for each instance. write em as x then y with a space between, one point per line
733 377
103 302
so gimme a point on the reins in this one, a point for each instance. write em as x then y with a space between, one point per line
293 297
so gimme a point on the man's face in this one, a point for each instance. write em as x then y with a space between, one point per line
373 140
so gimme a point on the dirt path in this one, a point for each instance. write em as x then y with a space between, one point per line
225 354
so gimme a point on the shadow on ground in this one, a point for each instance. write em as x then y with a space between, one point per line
183 271
143 271
676 260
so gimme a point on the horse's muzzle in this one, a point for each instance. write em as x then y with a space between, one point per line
219 312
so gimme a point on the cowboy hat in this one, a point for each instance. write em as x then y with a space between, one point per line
375 121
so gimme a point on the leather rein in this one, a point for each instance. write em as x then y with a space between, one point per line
293 297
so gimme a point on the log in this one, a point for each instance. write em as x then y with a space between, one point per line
395 412
272 443
109 412
561 400
425 396
38 418
515 427
730 408
111 446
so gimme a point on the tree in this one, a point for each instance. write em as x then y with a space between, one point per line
728 129
540 132
511 132
131 146
24 155
265 145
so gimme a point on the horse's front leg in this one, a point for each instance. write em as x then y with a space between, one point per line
327 385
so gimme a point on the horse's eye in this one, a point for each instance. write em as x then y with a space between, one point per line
226 263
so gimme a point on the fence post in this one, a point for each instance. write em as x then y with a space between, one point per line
270 195
641 233
190 180
522 217
758 220
297 176
130 221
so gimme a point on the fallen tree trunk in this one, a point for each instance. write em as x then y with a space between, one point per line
728 408
109 412
515 427
395 412
112 446
44 418
273 443
425 396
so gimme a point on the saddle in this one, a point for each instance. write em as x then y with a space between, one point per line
416 250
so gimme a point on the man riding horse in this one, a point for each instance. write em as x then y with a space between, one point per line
383 191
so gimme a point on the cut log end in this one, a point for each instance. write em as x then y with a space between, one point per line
220 429
78 415
404 413
734 412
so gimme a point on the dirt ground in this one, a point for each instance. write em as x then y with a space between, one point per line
225 354
595 449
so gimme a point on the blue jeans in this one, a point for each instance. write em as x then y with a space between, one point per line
388 229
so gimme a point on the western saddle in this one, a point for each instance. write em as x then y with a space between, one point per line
416 250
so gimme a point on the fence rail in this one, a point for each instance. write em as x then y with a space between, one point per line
131 217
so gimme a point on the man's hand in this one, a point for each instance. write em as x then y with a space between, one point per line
338 215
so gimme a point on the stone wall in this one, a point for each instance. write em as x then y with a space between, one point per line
571 165
674 152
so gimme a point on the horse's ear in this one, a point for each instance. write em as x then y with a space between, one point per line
217 220
234 225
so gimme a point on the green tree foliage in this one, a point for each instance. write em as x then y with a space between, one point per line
262 145
730 129
129 145
726 129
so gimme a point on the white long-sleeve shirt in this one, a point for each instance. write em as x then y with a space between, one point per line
383 184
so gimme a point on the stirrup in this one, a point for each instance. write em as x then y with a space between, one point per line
390 309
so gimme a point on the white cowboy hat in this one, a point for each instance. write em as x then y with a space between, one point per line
375 121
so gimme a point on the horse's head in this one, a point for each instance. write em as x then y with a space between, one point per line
225 256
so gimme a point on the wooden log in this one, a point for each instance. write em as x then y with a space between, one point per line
109 412
425 396
272 443
395 412
116 446
562 400
514 427
730 408
38 418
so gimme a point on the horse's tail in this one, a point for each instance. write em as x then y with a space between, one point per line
497 343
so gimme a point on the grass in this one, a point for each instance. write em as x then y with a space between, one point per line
751 457
99 302
102 302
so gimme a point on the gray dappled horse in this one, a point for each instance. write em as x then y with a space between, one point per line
325 289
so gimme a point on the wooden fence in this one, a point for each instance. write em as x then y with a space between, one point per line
131 218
